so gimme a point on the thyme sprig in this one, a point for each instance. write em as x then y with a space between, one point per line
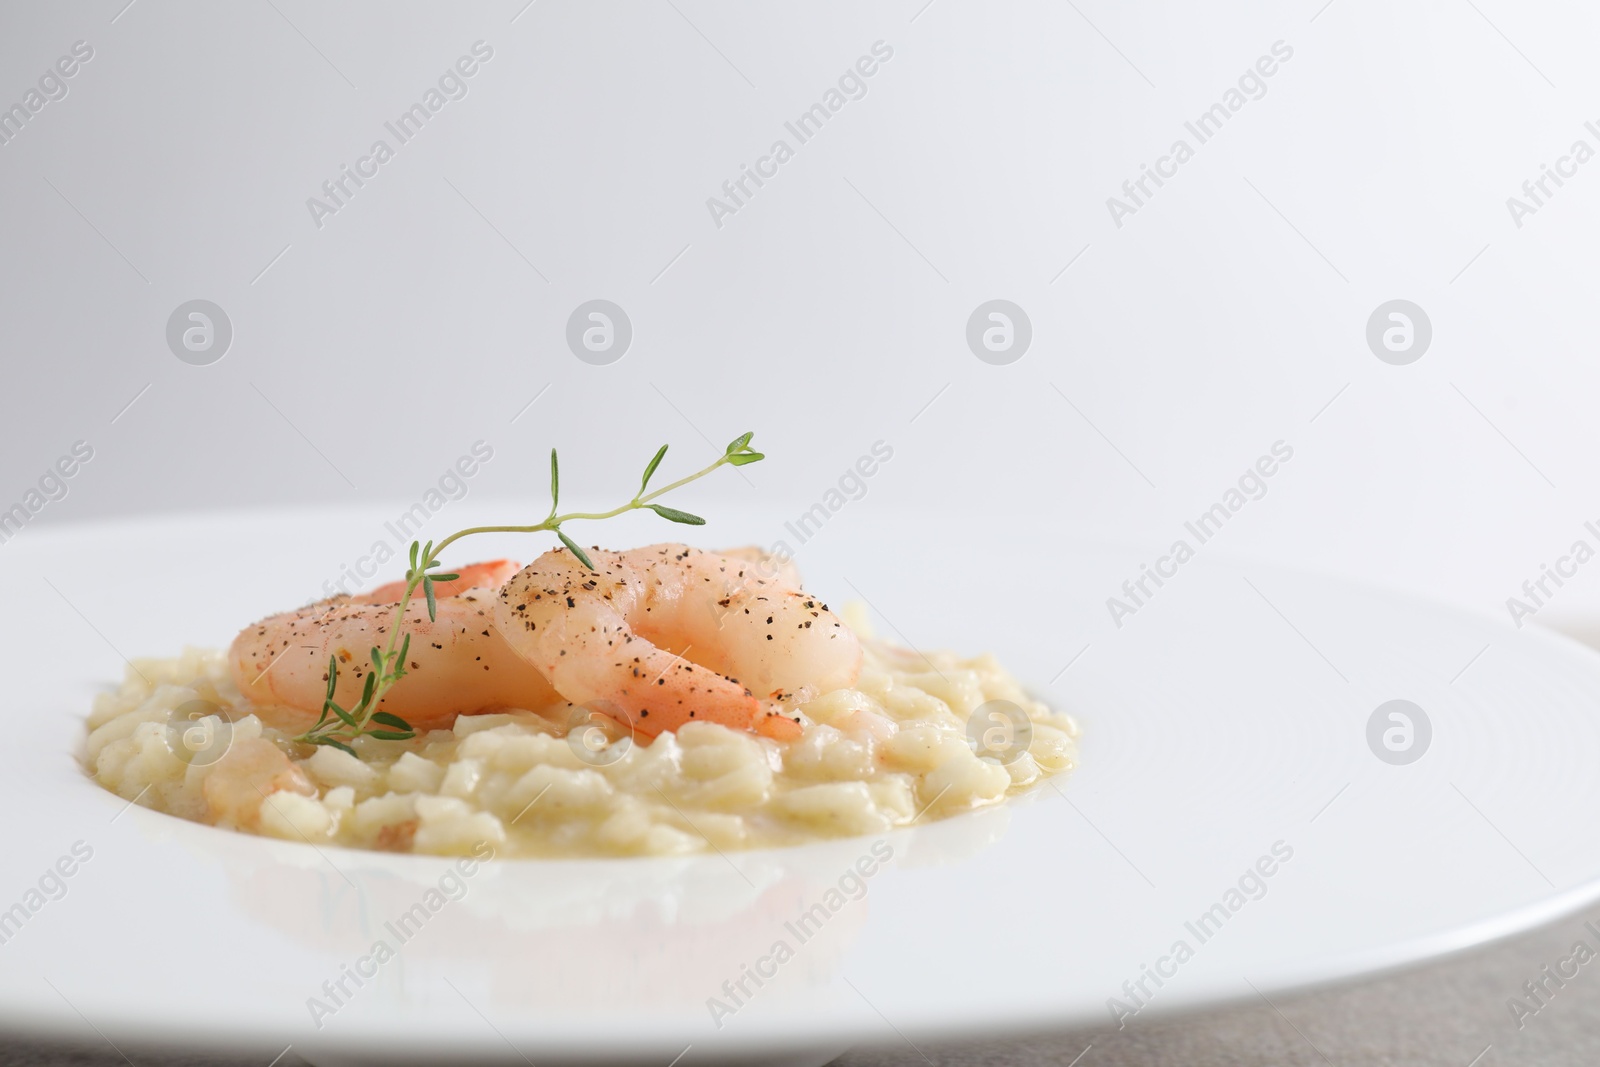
338 726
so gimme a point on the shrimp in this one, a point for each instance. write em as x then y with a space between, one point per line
662 635
247 775
457 665
767 564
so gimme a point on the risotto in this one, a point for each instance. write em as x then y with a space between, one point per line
912 738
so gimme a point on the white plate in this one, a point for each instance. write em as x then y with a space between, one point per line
1229 714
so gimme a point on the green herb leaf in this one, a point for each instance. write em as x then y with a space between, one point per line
742 458
331 743
333 675
345 716
572 546
738 443
392 735
644 483
377 661
367 690
389 719
433 604
414 547
555 482
444 577
674 515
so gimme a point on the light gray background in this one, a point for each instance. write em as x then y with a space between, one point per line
830 312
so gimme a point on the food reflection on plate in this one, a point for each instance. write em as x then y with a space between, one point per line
389 928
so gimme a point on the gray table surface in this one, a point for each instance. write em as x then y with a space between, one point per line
1449 1014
